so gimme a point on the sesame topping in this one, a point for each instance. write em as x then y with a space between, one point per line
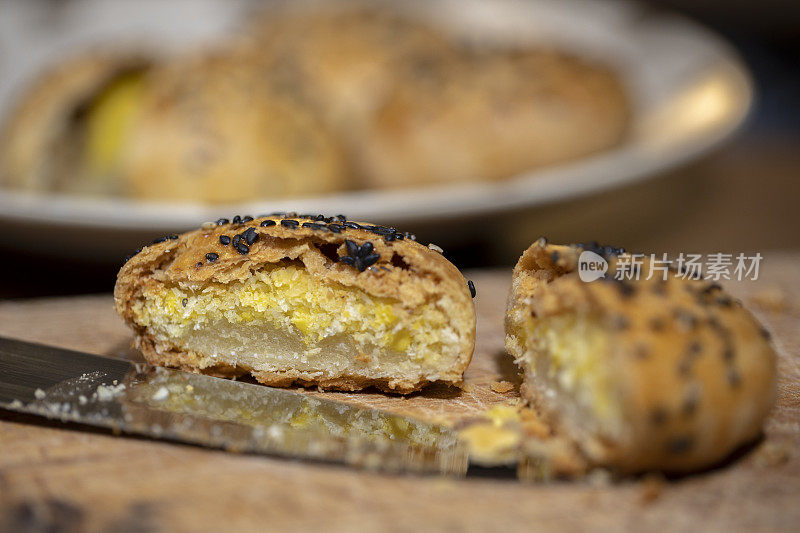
237 219
679 445
211 256
267 223
185 302
250 236
472 290
359 256
198 264
291 224
242 248
247 218
224 240
222 221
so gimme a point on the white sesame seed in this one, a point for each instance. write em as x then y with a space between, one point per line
435 248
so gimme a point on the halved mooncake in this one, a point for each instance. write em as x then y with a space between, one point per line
668 373
300 299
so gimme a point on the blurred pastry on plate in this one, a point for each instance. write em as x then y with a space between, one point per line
66 131
490 115
216 127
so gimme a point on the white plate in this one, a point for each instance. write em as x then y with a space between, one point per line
690 92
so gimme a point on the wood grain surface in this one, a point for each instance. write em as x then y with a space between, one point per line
56 478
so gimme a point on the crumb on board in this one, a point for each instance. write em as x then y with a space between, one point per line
651 488
772 453
466 387
771 298
39 394
502 387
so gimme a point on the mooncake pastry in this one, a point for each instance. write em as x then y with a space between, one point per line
215 127
300 299
489 115
66 131
641 374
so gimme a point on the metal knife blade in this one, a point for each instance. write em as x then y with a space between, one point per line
220 413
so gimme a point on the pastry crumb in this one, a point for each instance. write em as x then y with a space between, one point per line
772 298
772 454
466 387
502 386
39 394
651 488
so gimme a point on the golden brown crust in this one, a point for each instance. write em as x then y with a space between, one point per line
406 271
693 369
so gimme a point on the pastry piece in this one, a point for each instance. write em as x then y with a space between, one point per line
488 115
347 55
300 299
646 374
216 127
66 132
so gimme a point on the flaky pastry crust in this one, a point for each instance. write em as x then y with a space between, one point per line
406 271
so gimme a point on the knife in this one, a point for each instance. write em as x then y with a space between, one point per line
160 403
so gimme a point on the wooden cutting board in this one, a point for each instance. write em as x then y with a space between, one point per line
96 481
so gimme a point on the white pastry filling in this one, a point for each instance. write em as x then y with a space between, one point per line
282 318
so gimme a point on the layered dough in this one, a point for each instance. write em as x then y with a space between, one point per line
646 374
289 310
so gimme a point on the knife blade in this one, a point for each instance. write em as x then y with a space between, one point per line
135 398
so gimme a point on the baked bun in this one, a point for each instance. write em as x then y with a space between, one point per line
646 374
491 114
65 132
300 299
216 127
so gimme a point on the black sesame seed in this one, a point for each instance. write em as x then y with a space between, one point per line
690 401
237 219
160 239
472 290
399 236
388 238
366 262
267 223
250 236
222 221
236 240
224 240
626 290
734 378
319 218
620 322
352 248
679 445
315 226
341 218
185 302
211 256
658 416
365 249
172 236
348 260
247 218
291 224
351 225
335 228
199 264
242 248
